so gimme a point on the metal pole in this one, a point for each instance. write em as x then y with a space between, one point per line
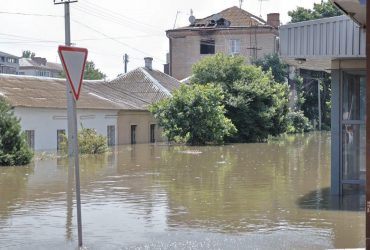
367 127
126 62
72 129
319 102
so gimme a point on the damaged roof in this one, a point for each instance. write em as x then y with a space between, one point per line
232 17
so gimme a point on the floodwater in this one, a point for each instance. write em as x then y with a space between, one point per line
242 196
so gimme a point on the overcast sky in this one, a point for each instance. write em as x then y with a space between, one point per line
110 28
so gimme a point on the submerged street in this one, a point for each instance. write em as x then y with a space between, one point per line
241 196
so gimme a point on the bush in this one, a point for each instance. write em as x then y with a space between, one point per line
89 142
194 115
14 149
298 123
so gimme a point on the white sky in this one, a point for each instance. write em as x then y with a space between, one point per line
137 27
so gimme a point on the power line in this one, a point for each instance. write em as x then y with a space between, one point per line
27 14
116 40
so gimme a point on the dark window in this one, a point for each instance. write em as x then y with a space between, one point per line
111 135
133 134
60 134
207 46
152 133
30 138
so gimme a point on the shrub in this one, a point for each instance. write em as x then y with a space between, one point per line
89 142
298 123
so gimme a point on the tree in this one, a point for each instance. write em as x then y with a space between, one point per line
273 62
320 10
14 149
194 115
91 73
256 104
28 54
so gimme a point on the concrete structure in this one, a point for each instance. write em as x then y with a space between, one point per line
39 66
116 109
339 43
232 31
9 64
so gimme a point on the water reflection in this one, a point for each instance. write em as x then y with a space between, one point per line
264 195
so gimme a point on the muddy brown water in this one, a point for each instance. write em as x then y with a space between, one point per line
242 196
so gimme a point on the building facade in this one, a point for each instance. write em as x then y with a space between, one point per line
341 43
39 66
9 64
232 31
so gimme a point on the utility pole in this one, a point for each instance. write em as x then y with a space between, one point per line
125 60
72 122
367 127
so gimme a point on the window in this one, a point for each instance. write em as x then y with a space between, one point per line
30 138
234 47
111 135
207 46
133 134
60 134
43 73
152 133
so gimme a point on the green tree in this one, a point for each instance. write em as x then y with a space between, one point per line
28 54
320 10
256 104
14 149
194 115
91 73
273 62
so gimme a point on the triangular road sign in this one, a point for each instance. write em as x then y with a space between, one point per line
73 61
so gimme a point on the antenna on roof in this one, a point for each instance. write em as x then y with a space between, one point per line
192 17
261 6
240 3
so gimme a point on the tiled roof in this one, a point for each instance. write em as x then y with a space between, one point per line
28 91
231 18
28 62
147 85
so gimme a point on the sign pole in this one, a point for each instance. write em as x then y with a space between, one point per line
72 129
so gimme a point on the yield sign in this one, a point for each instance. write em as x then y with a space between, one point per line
73 60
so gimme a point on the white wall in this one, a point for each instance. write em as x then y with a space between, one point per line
47 121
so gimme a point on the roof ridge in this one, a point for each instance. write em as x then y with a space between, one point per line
155 81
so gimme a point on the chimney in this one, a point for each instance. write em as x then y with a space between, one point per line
148 62
39 60
273 19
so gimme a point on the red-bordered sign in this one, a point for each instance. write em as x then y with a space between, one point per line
73 61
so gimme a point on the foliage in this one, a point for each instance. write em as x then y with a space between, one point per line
273 62
309 107
298 123
28 54
320 10
89 142
91 73
194 115
14 149
256 104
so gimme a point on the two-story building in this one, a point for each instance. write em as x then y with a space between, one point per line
9 64
232 31
39 66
